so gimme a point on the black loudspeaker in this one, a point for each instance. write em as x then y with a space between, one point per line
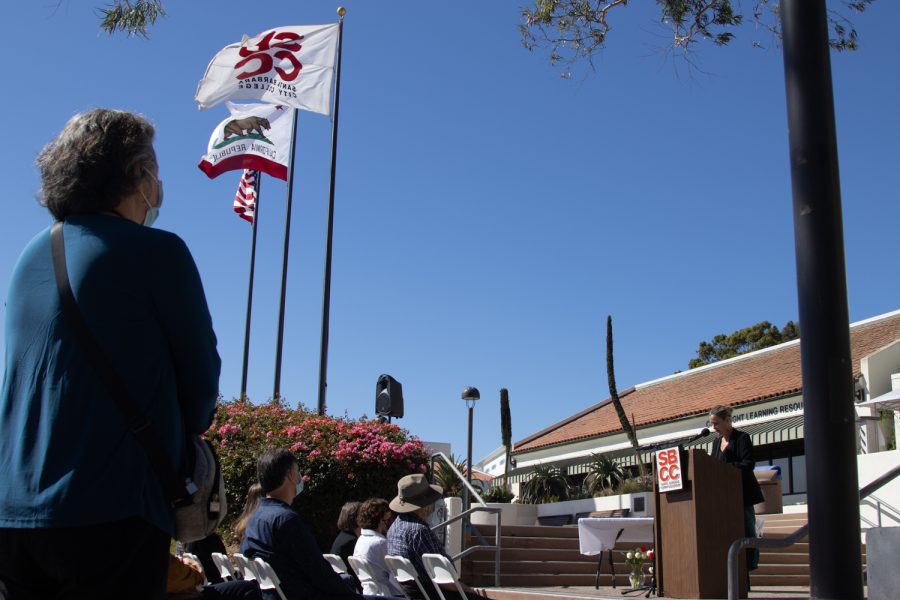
388 397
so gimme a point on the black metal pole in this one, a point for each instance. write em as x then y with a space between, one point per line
256 186
829 419
326 293
467 503
284 262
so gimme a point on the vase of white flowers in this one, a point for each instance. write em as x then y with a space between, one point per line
635 560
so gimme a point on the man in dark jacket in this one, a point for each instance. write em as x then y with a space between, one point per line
277 534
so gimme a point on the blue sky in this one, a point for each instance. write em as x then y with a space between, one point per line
490 213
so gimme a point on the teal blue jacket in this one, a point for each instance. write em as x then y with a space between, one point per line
67 458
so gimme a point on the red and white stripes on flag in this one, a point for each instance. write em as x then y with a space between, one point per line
245 198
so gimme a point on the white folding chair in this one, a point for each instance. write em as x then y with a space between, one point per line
336 562
223 564
441 570
403 571
365 572
196 560
245 566
268 579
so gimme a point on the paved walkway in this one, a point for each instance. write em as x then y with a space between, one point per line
553 593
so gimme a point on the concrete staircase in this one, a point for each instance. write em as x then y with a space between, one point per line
782 566
541 556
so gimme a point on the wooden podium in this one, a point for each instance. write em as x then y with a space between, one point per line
695 526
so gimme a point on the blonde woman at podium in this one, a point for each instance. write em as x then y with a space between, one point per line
735 447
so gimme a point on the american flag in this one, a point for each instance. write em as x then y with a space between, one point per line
245 198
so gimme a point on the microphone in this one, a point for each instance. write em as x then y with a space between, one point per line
703 433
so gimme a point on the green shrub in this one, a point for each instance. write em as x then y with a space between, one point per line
635 485
341 459
497 493
547 484
604 474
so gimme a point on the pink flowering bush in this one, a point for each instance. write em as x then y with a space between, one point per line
341 459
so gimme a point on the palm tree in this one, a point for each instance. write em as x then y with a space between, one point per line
447 479
605 474
547 484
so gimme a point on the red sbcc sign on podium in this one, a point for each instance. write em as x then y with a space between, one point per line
668 469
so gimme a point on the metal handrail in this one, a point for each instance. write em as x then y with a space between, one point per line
484 545
881 508
464 516
734 552
458 474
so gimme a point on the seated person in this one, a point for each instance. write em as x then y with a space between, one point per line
374 518
254 493
277 534
348 532
185 582
411 537
203 550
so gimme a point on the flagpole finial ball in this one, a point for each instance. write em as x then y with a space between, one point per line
341 11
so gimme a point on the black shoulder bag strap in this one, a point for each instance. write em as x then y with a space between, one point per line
140 426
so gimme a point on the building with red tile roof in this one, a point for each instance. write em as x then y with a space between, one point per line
764 388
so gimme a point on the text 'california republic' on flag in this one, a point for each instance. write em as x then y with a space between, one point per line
255 136
293 66
245 197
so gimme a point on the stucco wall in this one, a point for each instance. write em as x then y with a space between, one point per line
872 466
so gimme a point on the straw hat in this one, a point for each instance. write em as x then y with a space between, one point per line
414 492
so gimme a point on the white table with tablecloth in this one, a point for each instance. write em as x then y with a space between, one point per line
596 534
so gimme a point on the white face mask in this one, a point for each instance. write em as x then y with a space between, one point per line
153 211
300 485
152 214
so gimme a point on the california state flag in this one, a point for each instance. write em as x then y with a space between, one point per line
291 66
255 136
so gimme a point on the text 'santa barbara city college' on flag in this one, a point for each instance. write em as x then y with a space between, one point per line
255 136
291 66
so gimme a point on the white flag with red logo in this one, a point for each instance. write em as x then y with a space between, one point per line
286 65
245 198
255 136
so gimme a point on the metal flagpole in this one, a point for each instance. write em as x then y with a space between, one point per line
829 418
284 263
256 186
326 294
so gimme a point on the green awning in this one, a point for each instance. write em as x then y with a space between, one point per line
770 432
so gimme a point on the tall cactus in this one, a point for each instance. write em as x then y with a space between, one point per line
627 427
505 432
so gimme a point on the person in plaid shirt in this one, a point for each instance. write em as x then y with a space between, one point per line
411 537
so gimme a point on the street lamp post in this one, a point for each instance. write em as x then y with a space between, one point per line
470 395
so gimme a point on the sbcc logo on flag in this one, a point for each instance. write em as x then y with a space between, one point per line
265 52
275 67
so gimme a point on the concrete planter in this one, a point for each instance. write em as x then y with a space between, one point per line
527 514
512 514
573 507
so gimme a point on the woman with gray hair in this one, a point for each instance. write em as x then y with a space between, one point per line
75 485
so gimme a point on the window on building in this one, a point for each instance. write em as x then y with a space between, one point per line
798 470
791 457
